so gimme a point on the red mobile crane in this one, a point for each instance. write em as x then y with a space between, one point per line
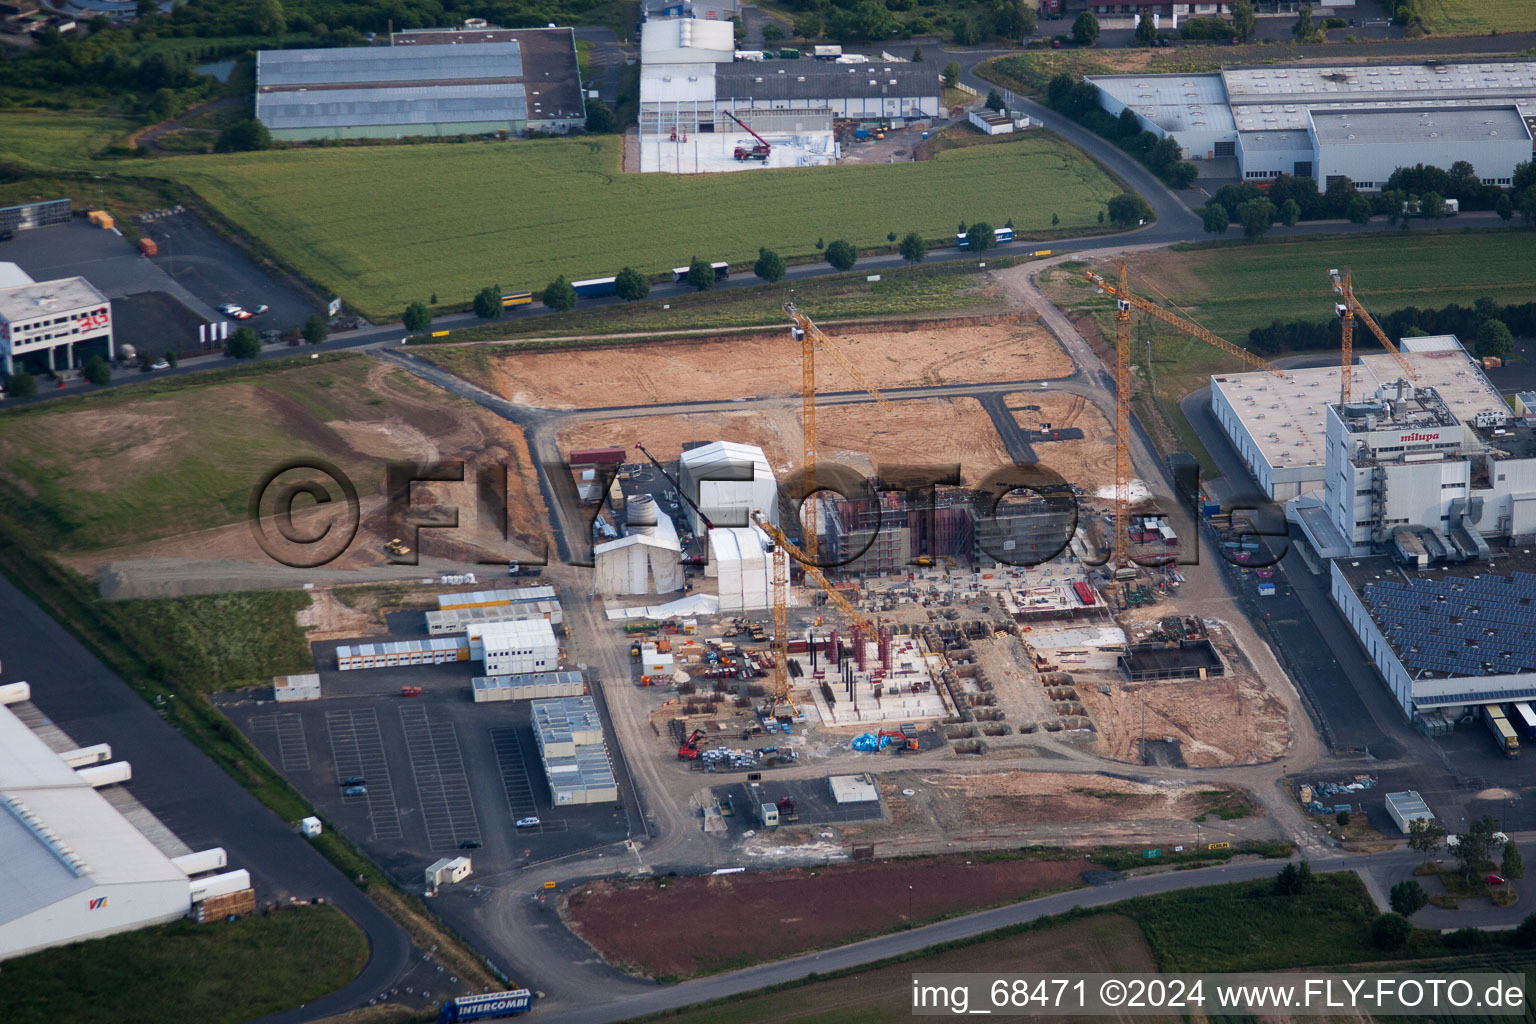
757 152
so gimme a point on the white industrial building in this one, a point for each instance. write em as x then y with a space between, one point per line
646 560
1279 424
495 598
514 648
741 562
729 481
1359 122
457 620
72 867
300 687
52 325
569 735
532 686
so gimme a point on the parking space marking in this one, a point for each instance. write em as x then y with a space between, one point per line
357 748
288 728
517 783
447 808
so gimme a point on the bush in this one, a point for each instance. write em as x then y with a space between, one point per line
1512 865
558 295
243 136
631 285
20 384
1127 208
769 266
243 344
1205 28
1214 217
487 304
841 254
700 275
1391 931
1085 30
316 330
981 237
1408 898
96 371
600 120
913 248
418 316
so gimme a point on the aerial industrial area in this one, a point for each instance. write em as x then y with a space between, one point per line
1116 528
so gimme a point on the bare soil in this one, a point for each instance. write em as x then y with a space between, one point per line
1088 462
946 352
696 925
859 436
328 619
989 799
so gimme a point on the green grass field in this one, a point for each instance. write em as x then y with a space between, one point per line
186 973
224 641
1476 17
384 226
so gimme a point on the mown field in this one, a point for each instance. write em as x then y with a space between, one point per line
383 226
185 973
1476 17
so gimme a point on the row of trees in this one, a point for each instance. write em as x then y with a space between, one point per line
873 20
1490 326
1080 101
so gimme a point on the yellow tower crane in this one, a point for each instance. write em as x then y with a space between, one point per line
1124 301
783 550
810 337
1347 309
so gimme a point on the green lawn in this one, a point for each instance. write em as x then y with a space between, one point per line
224 641
1477 17
186 973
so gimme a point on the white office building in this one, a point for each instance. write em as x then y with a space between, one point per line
53 325
514 648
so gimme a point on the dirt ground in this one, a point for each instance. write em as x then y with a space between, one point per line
974 351
328 619
692 925
415 422
858 436
1228 720
987 799
1088 462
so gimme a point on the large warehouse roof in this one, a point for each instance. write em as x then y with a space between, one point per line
409 105
387 64
24 301
1175 103
1367 127
799 80
58 836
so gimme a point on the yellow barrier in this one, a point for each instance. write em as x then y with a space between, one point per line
439 334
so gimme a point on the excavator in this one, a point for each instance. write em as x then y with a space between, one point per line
689 751
898 740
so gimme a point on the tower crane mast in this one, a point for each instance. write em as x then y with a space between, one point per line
1347 309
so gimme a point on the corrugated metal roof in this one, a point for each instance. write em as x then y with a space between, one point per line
1365 127
376 64
800 80
443 104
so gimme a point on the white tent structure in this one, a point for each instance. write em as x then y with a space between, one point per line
647 560
729 481
740 561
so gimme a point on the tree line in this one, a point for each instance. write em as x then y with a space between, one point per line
1080 101
1489 326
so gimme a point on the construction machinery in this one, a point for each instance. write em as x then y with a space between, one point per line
396 547
760 151
810 337
689 750
1124 301
1347 309
787 812
900 741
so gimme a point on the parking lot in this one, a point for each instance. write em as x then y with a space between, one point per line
442 774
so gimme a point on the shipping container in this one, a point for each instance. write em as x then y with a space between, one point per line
597 456
148 247
595 287
1084 592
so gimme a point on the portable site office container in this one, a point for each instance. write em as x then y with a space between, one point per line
494 598
458 620
436 651
531 686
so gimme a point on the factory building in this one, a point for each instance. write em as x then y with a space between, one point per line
741 562
427 83
72 867
1278 425
1445 640
569 735
52 325
709 10
729 481
1330 122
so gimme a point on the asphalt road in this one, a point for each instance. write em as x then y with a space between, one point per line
189 793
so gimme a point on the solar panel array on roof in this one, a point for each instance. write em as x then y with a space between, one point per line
1458 626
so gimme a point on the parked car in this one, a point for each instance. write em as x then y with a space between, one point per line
527 822
355 791
353 780
260 309
159 364
470 844
1493 879
234 312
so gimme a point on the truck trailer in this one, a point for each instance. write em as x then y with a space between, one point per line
1503 733
595 287
487 1006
